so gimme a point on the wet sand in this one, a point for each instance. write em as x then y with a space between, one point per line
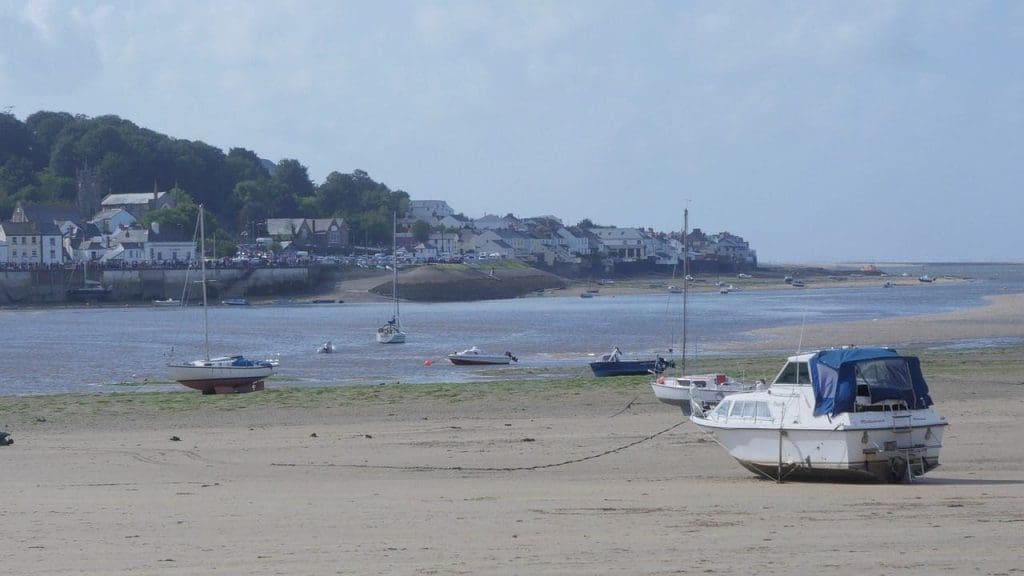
571 480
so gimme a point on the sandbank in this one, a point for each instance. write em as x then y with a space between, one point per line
588 477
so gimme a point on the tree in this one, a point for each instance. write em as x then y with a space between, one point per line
585 224
295 178
14 139
420 231
244 165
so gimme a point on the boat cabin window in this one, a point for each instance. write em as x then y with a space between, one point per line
700 384
794 373
750 410
723 408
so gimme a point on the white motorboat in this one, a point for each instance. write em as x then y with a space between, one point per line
326 348
391 332
838 414
706 390
475 356
224 374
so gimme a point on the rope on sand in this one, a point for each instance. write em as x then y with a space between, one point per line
486 468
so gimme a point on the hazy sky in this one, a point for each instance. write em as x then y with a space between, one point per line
818 131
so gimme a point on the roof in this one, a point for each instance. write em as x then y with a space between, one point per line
107 213
131 199
30 229
168 234
20 228
48 213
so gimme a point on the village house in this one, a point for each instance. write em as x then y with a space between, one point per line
168 245
109 220
138 204
429 210
733 248
493 222
32 243
317 235
625 244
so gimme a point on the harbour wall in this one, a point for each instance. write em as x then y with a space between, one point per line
50 286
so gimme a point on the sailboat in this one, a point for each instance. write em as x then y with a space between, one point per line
91 290
704 390
223 374
391 332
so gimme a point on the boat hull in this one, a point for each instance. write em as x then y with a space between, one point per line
629 367
391 337
876 453
220 379
707 397
479 361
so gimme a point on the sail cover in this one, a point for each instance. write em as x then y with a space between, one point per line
840 375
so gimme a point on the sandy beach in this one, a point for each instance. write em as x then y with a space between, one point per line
513 478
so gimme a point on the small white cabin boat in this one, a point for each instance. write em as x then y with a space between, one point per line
475 356
706 390
838 414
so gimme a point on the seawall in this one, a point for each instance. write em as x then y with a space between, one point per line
27 287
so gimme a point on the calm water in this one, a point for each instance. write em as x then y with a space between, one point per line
126 349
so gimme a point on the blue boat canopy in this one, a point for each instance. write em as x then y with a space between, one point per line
839 376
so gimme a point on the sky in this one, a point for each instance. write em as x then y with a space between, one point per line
820 132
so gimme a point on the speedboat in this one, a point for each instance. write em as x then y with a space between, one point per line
705 390
474 356
860 414
326 348
612 364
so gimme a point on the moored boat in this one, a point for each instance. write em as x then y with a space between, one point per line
475 356
223 374
705 390
861 414
391 332
612 364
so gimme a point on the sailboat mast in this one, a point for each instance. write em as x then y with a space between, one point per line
394 265
686 276
202 267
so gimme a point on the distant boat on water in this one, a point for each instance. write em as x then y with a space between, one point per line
391 332
235 302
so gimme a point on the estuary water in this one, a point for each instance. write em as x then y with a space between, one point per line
126 349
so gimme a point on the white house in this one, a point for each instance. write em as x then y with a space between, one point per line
32 242
493 222
137 203
622 243
168 245
429 210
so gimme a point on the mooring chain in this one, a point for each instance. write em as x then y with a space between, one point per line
488 468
